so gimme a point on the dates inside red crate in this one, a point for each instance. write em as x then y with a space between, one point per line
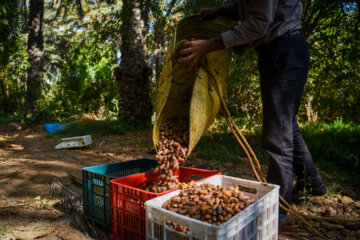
128 200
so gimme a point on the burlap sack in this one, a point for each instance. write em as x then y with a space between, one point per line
189 93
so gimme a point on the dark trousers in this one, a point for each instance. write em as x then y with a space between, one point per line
283 67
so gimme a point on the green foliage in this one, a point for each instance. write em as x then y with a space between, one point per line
335 145
10 119
4 229
334 78
82 45
8 40
220 144
86 80
13 59
92 128
101 127
333 189
244 99
163 20
83 56
11 76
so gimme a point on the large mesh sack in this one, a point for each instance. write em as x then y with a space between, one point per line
187 93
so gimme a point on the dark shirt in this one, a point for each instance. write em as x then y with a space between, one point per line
260 21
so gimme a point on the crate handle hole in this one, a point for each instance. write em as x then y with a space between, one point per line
247 189
134 199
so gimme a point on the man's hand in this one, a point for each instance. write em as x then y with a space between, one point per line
199 48
196 49
209 13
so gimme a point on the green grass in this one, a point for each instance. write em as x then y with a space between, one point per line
335 147
9 119
102 127
4 229
333 189
222 146
92 128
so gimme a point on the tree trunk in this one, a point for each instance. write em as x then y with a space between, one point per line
133 73
36 54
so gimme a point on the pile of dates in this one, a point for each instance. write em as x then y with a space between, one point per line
171 153
209 203
178 227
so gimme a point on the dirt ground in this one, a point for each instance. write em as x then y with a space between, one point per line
37 162
29 163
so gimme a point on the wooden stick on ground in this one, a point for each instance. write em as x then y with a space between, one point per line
13 174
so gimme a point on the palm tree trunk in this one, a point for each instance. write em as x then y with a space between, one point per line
133 73
36 54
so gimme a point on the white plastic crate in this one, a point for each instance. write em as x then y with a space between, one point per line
258 221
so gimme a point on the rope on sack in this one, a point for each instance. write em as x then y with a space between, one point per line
241 140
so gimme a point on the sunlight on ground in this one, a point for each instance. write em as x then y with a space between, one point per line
33 136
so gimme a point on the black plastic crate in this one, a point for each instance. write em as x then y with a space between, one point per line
96 186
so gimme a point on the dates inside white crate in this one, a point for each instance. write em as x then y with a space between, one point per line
257 221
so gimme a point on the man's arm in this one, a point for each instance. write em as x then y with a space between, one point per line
261 14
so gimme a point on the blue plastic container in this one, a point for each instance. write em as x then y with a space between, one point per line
96 186
54 127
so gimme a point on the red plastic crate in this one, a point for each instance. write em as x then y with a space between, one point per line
128 200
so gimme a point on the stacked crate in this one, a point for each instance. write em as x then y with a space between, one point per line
96 186
128 200
259 221
114 198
